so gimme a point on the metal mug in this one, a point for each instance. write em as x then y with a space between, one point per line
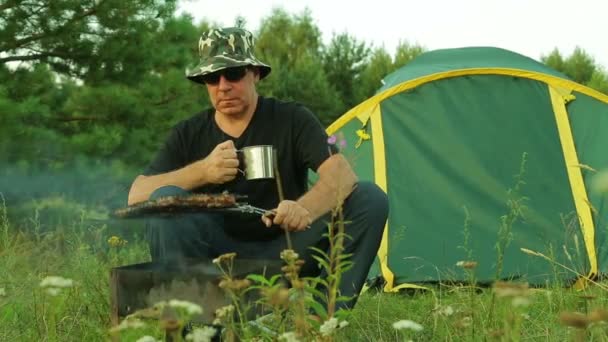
258 161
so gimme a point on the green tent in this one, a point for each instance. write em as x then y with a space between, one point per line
486 156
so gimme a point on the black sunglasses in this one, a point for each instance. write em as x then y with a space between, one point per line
230 74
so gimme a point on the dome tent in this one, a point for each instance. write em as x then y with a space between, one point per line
483 152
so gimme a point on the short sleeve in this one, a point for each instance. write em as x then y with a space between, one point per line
311 145
168 158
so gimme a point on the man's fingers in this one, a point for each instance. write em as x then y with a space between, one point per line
227 154
282 213
226 145
267 221
230 163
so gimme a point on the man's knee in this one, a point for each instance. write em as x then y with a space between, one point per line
369 196
167 190
367 203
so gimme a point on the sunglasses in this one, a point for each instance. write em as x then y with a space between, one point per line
230 74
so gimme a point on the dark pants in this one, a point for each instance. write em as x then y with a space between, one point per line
202 236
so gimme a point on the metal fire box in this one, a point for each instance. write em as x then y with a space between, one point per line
139 286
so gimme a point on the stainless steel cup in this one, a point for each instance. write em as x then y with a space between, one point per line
258 161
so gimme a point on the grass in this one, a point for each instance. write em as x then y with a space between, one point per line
77 306
446 313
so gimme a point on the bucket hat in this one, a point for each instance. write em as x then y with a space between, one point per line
223 48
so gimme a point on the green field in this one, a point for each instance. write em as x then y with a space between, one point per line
447 312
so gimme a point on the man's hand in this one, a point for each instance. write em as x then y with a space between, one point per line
290 215
221 165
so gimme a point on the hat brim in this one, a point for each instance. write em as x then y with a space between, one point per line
221 62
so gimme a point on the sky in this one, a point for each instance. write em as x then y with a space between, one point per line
529 27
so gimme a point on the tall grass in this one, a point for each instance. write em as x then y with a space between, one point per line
85 253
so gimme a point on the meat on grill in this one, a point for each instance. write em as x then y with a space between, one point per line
178 203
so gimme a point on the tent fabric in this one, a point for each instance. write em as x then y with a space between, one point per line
484 154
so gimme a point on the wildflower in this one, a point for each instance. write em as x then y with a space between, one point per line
224 257
289 255
362 136
507 289
146 338
469 265
190 308
2 292
574 319
329 326
224 311
54 284
132 323
444 311
116 241
204 334
289 337
343 324
407 324
598 315
276 297
234 284
332 140
55 281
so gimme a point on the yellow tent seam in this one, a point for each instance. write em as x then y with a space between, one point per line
575 176
364 109
380 179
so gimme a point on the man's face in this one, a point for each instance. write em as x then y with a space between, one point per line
232 90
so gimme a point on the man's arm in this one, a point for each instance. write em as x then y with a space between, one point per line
220 166
188 178
336 181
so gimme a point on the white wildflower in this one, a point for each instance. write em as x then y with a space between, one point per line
224 311
2 292
343 324
407 324
329 326
444 310
191 308
54 281
131 323
204 334
146 338
289 337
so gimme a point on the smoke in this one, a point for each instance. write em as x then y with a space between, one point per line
84 191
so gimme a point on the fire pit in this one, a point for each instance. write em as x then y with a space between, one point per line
140 286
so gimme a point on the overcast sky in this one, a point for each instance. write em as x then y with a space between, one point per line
529 27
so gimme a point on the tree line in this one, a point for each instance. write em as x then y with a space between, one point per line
89 88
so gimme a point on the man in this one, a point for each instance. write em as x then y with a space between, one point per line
200 156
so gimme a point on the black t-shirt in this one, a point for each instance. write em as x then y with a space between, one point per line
293 130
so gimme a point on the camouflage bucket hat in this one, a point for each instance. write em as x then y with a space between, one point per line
225 48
